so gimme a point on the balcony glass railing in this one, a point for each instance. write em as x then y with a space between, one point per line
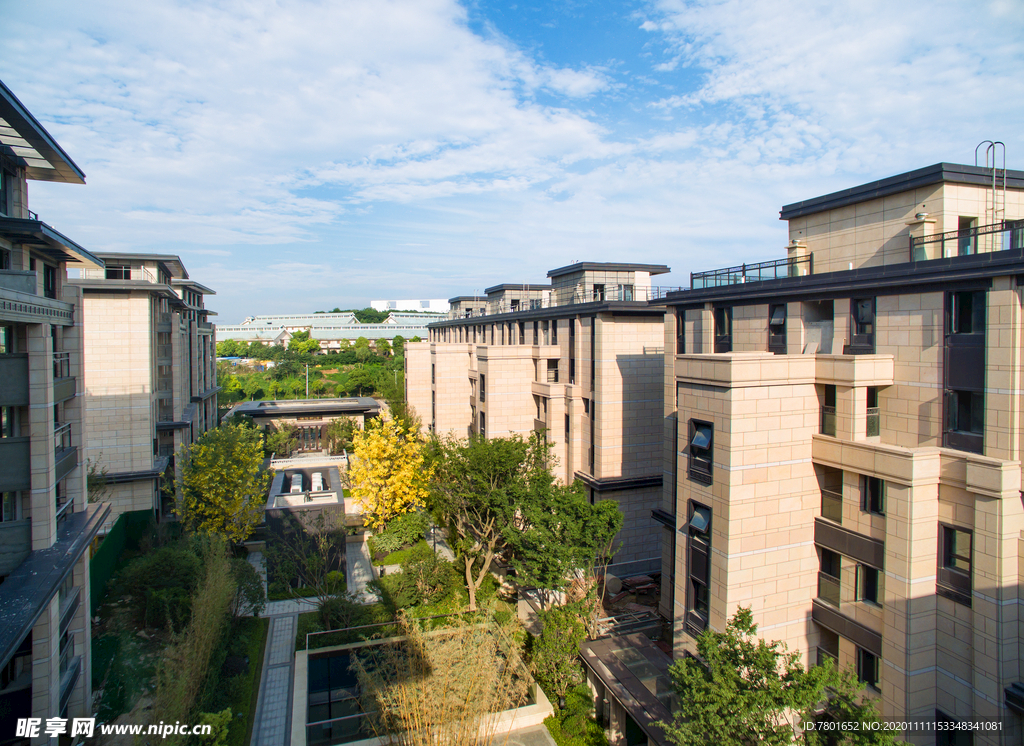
61 365
828 589
832 505
759 272
983 239
61 436
874 423
828 421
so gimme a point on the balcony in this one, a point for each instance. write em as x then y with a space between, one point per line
163 352
14 374
760 272
874 423
15 473
832 505
828 589
19 302
828 421
18 281
63 383
982 239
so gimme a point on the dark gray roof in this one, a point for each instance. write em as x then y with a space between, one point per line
514 286
38 234
32 144
307 407
459 298
654 269
941 172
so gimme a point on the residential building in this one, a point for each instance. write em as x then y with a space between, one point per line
309 417
46 520
843 434
579 359
150 374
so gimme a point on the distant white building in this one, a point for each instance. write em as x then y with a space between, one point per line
434 305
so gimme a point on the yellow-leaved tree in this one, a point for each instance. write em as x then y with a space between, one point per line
222 488
388 471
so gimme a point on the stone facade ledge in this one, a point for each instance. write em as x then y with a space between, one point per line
908 466
742 369
854 370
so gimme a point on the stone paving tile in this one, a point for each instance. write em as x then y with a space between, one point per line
282 641
275 703
289 606
359 571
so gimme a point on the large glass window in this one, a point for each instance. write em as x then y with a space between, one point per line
862 317
777 329
954 580
867 584
698 601
701 444
118 272
872 491
723 329
868 670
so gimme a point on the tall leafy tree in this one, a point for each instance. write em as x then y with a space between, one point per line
479 491
388 472
745 692
222 488
559 534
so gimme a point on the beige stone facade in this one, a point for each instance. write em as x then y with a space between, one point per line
46 521
150 373
581 360
843 445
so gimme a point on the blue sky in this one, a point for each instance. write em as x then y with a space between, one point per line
304 155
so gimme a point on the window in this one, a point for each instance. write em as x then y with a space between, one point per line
862 312
966 237
698 605
873 423
118 272
828 411
951 736
9 507
483 387
554 332
680 332
433 373
965 412
867 668
5 259
553 371
867 584
723 329
49 281
954 572
701 450
483 425
9 422
872 495
536 332
522 332
830 566
965 312
777 329
6 184
598 292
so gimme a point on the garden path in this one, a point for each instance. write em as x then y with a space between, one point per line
272 726
359 571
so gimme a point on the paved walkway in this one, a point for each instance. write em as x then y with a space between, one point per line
359 571
272 725
437 538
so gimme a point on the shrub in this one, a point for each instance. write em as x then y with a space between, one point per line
404 530
425 579
160 585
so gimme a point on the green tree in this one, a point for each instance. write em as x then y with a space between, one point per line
339 435
318 386
370 316
555 661
745 691
252 385
227 348
282 441
362 349
222 488
398 345
560 534
479 490
383 347
360 381
301 343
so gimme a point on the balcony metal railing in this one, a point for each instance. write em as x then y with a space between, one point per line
982 239
558 297
828 421
874 422
61 436
759 272
163 352
828 589
832 505
61 365
164 384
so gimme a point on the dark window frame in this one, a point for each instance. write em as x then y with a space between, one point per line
698 567
872 494
722 317
868 584
869 669
777 328
863 325
701 457
955 573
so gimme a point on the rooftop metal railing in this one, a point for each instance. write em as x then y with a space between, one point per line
774 270
558 297
61 436
982 239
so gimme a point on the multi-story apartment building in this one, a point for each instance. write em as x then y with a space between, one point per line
844 433
46 521
150 373
581 360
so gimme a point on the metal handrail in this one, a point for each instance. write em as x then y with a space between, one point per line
61 436
61 365
558 297
967 241
759 272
